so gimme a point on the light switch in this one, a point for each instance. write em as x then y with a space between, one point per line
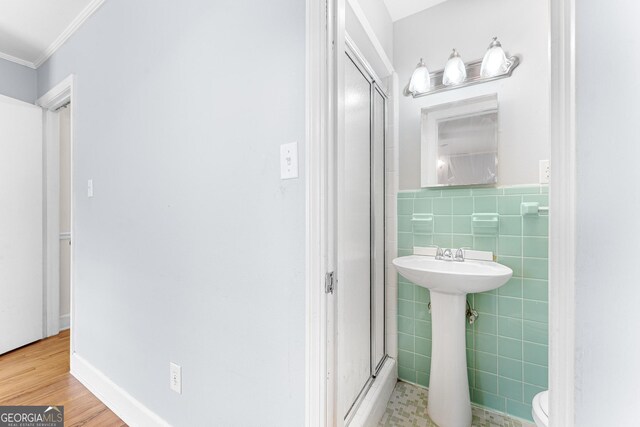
90 188
289 160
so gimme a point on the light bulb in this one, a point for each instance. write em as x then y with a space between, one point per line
494 61
420 79
455 72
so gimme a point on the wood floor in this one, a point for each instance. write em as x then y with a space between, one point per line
38 374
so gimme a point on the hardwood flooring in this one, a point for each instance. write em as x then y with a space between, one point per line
38 374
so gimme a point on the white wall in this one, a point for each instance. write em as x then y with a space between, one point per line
608 202
523 28
192 249
373 42
380 20
377 16
17 81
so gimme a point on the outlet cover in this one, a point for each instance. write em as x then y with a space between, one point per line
545 172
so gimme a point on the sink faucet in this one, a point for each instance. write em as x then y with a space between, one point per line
447 254
443 254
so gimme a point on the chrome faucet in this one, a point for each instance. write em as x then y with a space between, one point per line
447 254
443 254
460 254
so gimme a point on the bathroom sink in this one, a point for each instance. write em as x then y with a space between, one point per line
449 403
453 277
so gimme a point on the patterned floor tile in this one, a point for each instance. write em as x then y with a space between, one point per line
407 407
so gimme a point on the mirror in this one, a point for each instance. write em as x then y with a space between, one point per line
460 143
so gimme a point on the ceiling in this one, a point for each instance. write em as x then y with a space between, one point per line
399 9
31 30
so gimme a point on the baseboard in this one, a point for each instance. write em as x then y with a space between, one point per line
130 410
374 404
65 322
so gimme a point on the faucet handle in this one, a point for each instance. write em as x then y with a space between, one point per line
439 252
460 253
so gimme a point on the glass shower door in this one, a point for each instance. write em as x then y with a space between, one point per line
360 239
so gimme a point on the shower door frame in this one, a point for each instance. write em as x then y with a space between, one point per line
354 55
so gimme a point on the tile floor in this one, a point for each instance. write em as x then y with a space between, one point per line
408 408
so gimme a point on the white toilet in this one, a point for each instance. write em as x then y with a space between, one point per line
540 409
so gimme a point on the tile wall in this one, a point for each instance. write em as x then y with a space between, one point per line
507 346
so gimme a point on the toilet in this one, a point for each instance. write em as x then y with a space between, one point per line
540 409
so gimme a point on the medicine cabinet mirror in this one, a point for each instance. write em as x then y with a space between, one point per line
459 143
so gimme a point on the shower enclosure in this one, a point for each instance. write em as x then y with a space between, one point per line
360 244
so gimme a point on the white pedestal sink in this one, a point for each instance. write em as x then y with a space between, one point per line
449 283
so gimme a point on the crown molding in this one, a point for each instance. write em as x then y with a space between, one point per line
18 61
86 13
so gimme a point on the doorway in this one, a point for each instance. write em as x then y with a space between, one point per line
324 92
57 112
36 225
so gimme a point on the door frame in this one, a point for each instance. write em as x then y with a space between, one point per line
324 41
58 96
562 221
319 325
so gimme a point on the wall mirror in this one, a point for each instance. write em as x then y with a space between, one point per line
459 143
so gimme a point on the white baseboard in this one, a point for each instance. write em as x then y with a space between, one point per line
130 410
65 322
374 404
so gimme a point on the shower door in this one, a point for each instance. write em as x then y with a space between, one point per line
360 224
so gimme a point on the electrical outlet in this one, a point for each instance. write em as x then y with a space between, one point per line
545 172
175 377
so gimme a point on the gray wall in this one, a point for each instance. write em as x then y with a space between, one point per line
192 249
468 25
607 288
17 81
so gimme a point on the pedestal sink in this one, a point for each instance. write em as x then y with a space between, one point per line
449 282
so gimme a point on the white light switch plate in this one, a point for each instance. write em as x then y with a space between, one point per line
289 160
545 172
175 377
90 188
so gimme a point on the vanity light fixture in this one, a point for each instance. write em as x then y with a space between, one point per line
495 60
455 72
420 79
458 74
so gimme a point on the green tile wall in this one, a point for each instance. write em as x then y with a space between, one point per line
507 347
